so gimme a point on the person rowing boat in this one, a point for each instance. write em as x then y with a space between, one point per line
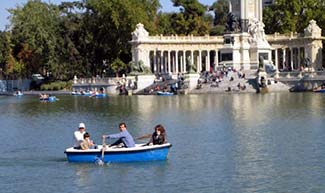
124 138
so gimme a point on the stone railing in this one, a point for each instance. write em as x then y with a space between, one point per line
302 74
99 81
277 36
180 39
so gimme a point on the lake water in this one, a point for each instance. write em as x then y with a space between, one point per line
221 143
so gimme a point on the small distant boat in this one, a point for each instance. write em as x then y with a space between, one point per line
75 93
320 90
49 99
87 93
139 153
100 95
161 93
18 94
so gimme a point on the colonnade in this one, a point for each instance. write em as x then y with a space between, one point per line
288 58
182 61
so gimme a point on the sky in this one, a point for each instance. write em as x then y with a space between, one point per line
167 6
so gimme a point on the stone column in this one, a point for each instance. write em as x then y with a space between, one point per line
200 61
276 58
176 61
184 62
298 58
168 59
198 64
161 61
284 58
291 58
216 58
207 62
155 58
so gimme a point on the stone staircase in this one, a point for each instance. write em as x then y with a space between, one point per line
228 85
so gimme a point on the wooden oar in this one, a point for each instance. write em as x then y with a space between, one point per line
146 136
100 161
103 149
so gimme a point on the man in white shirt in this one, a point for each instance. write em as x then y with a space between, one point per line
79 135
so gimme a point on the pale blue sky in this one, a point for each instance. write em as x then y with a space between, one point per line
7 4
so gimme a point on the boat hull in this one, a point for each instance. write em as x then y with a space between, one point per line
321 90
49 99
137 154
101 95
165 93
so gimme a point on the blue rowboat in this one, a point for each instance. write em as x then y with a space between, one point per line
138 153
49 99
165 93
87 93
100 95
18 94
320 90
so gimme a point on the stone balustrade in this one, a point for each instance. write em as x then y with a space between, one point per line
191 38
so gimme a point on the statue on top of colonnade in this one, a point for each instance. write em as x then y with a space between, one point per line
256 31
313 30
140 33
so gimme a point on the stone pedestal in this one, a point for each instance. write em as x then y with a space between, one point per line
237 45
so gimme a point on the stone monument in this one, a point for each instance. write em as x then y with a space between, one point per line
244 38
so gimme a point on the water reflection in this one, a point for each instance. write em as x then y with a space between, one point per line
82 174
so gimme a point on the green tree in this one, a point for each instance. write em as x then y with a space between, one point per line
164 24
221 10
36 25
4 51
292 16
191 19
109 24
74 41
118 67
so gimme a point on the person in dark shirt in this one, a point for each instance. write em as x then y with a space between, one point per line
159 136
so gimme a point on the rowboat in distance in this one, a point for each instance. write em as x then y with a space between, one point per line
139 153
18 94
162 93
320 89
75 93
49 99
100 95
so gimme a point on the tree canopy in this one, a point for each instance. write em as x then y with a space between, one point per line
293 16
